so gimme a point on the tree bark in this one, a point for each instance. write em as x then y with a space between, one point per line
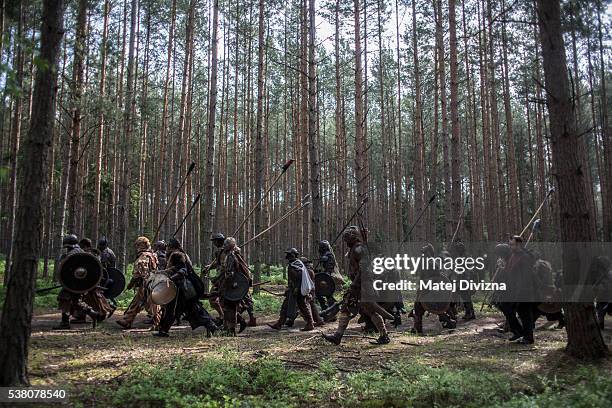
78 66
259 158
17 311
584 339
208 208
313 147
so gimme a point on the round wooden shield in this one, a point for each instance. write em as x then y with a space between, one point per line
80 272
436 301
115 283
162 289
551 295
238 288
324 284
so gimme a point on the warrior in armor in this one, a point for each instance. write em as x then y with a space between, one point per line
160 248
519 271
300 289
447 318
217 240
145 264
327 260
72 303
186 300
601 276
230 264
351 302
107 256
458 251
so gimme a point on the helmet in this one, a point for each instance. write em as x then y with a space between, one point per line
102 243
70 240
428 250
324 246
217 236
292 251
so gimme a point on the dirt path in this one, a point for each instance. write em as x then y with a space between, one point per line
86 355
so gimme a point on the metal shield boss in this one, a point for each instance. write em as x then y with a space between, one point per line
80 272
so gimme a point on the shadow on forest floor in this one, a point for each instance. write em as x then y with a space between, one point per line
84 358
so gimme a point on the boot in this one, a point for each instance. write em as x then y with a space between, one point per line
383 339
469 312
276 326
211 328
161 334
242 324
78 320
64 324
335 338
252 321
124 324
307 315
308 327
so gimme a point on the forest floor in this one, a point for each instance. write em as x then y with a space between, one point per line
472 365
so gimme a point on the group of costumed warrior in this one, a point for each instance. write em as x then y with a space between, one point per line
169 262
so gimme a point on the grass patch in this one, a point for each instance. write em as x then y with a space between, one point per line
228 381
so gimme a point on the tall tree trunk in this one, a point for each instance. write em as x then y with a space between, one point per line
454 102
313 147
78 66
259 158
419 140
17 311
124 199
100 141
208 208
361 152
15 142
514 219
584 339
339 122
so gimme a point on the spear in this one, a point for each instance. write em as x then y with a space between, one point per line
187 215
278 221
535 228
285 167
459 222
178 190
552 190
363 202
431 200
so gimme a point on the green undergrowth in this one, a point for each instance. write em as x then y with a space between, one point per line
228 381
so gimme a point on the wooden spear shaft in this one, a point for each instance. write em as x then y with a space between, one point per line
285 167
178 190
